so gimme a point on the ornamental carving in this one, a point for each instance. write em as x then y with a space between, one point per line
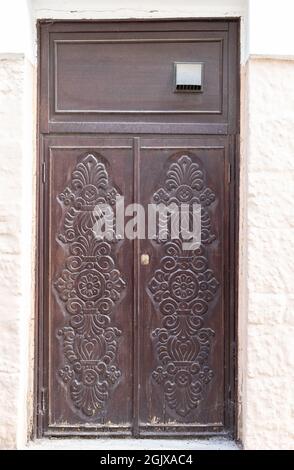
185 185
181 290
88 287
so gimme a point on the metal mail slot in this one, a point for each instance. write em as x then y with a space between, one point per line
189 77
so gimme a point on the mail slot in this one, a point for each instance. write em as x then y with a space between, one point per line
188 76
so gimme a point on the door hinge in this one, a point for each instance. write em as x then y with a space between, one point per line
44 172
42 405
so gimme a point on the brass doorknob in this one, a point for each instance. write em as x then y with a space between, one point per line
145 259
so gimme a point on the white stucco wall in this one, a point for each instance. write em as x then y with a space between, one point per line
270 246
11 90
266 216
16 244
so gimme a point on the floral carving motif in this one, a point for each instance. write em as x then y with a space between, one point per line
88 286
183 283
181 289
183 349
185 185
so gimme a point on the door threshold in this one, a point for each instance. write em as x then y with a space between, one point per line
132 444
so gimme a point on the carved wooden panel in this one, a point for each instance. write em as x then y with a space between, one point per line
181 289
182 317
90 286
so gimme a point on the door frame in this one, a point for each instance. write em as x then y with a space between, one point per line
41 255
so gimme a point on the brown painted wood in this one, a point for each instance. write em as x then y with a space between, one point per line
125 348
182 308
102 60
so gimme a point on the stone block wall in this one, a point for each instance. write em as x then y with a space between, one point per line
11 101
17 207
269 407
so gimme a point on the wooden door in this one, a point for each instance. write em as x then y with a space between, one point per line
181 313
89 287
127 347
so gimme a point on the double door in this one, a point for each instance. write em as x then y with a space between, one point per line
135 332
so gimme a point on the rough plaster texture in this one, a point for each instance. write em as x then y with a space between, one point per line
269 398
11 91
15 246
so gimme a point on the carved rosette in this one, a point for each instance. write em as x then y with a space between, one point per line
181 289
89 286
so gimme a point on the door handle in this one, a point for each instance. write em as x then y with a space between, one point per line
145 259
